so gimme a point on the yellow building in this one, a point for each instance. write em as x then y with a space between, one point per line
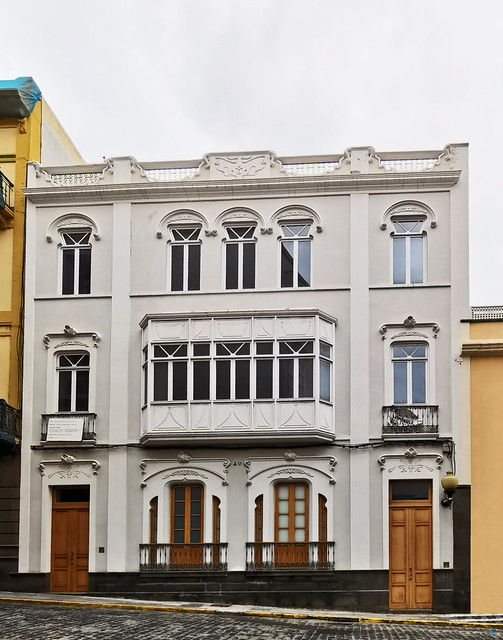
484 348
29 131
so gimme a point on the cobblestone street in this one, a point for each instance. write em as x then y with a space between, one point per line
35 622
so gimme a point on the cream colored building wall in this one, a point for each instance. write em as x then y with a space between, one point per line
57 148
487 453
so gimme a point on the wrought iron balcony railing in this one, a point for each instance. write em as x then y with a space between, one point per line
68 427
402 420
205 556
272 556
10 429
6 193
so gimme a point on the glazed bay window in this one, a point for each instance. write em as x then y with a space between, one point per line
76 262
296 256
185 259
408 252
240 258
246 370
272 381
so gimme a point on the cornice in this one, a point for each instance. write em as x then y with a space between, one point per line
489 348
259 313
260 188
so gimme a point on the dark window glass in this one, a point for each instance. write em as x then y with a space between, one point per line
202 349
242 379
304 264
201 372
325 350
194 267
325 380
180 380
195 494
264 379
286 378
176 267
160 381
287 264
231 266
65 391
68 271
85 271
305 378
264 348
249 265
82 391
410 489
223 379
72 494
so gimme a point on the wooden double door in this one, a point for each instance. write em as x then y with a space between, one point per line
410 545
70 539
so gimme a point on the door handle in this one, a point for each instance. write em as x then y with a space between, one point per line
410 573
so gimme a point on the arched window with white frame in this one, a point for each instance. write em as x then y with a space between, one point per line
409 373
76 261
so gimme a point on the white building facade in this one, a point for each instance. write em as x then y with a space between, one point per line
241 380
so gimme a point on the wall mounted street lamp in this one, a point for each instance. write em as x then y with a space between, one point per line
449 485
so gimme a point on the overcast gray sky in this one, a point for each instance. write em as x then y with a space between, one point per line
174 79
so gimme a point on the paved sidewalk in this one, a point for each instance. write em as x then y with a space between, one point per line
494 621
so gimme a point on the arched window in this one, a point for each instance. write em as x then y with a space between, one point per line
240 257
409 373
408 251
73 382
76 262
185 259
296 255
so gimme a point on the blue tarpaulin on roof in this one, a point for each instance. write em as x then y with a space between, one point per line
18 97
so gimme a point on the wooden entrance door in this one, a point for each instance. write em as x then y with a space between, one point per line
410 545
70 539
291 525
187 526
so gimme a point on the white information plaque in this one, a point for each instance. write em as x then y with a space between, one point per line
68 429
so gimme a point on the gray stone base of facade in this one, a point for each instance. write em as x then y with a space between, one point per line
339 590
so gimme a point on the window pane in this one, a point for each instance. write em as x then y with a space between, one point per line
82 391
249 265
282 535
416 259
231 266
287 264
264 348
286 378
325 349
223 379
410 489
85 271
399 260
400 382
306 378
177 267
65 391
242 379
68 271
179 380
300 535
418 382
264 379
325 380
202 349
194 267
201 372
304 264
160 380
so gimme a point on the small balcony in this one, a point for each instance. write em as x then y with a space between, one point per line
6 200
206 556
10 431
290 556
68 427
402 421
